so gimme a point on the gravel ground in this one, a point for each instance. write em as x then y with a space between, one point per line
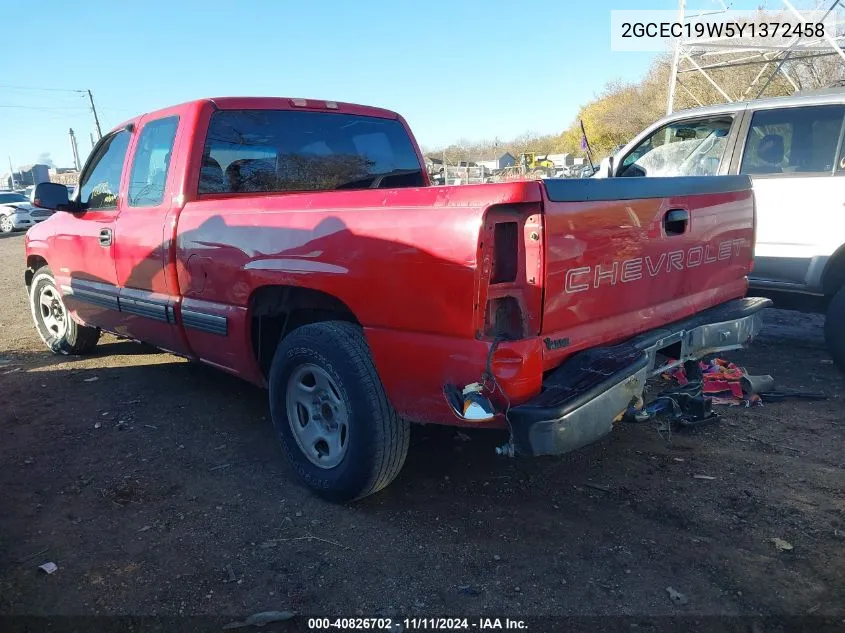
157 487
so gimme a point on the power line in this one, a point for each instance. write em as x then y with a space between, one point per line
31 107
43 89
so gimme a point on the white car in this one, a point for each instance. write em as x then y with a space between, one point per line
793 148
17 214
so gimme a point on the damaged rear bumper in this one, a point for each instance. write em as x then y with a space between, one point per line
581 399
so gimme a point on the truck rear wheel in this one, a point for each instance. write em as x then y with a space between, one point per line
834 328
54 324
332 416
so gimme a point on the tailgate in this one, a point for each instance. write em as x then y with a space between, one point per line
627 255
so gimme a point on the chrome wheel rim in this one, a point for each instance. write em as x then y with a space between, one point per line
6 224
317 416
52 311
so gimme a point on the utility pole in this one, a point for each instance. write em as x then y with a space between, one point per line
11 174
74 149
96 120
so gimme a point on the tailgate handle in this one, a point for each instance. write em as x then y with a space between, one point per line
676 221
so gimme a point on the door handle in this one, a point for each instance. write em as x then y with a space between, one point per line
105 237
676 221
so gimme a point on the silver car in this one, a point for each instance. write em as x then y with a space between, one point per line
17 214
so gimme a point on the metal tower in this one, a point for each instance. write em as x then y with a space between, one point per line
774 59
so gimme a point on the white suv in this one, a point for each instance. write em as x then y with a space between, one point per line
792 147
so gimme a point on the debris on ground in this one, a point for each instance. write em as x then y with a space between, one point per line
91 379
460 435
48 568
781 545
469 590
696 387
722 381
707 477
261 619
676 596
601 487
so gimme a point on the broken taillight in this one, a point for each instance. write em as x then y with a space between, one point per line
511 291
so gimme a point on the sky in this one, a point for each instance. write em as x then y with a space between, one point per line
468 69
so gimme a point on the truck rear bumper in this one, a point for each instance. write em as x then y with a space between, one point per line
581 399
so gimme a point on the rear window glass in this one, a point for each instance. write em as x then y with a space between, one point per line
250 151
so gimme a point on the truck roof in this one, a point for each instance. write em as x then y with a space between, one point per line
274 103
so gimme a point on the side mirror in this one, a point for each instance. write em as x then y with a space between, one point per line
51 195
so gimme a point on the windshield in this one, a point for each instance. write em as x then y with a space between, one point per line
6 198
680 149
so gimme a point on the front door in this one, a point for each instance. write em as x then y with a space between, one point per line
791 155
143 239
82 250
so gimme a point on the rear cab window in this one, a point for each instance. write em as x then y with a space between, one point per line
799 140
694 147
248 151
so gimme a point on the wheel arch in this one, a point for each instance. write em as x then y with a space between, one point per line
33 264
277 310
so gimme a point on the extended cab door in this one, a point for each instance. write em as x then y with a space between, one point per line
143 238
793 156
82 250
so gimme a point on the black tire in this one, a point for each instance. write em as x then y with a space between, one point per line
73 338
377 440
834 328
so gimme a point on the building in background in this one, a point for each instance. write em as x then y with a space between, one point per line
494 164
28 175
64 175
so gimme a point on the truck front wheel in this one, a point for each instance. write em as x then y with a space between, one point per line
332 416
834 328
54 324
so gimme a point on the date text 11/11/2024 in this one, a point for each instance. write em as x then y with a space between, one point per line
417 624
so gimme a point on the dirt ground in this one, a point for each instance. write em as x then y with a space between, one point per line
157 487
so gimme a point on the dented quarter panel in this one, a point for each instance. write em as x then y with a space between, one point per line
404 261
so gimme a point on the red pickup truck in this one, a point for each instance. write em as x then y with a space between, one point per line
299 245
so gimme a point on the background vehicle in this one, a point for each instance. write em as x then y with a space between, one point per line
16 212
297 244
538 166
792 148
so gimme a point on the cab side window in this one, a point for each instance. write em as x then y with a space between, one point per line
793 140
151 163
100 184
682 148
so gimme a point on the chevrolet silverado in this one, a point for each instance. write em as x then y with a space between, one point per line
299 245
